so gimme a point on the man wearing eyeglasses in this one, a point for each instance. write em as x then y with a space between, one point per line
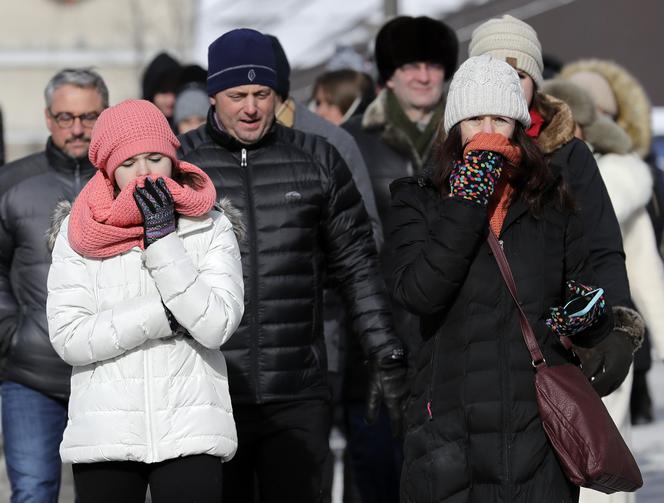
35 381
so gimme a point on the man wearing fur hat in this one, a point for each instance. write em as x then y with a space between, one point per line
35 381
305 221
396 134
552 125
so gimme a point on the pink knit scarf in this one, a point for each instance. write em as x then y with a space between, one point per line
102 226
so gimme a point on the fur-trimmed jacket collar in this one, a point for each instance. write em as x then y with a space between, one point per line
63 208
559 124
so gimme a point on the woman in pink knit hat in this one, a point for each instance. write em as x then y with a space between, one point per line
145 286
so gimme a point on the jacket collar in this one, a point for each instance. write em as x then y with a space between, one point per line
189 225
558 129
229 142
516 210
61 162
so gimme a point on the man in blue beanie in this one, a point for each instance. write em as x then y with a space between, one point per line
306 225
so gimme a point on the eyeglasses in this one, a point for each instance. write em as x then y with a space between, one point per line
66 120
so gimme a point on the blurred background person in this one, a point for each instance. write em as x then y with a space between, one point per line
160 83
415 56
339 95
618 95
35 381
191 107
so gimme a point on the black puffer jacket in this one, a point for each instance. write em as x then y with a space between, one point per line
30 188
304 219
572 157
473 431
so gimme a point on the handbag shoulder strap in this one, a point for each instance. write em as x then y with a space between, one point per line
526 329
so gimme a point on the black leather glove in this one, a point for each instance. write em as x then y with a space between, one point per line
156 205
607 363
387 384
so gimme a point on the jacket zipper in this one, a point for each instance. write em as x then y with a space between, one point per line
148 391
253 259
505 387
433 378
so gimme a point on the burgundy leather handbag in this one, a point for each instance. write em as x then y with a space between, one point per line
589 446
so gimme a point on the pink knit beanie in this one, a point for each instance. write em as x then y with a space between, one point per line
127 129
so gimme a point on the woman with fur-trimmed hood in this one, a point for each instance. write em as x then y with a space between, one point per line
617 94
552 126
629 183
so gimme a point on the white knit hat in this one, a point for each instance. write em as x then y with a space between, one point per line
484 85
511 40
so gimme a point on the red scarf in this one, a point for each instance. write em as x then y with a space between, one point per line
536 123
102 226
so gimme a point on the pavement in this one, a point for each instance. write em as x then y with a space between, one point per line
647 445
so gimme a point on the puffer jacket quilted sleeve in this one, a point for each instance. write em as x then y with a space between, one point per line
431 265
353 261
208 299
81 333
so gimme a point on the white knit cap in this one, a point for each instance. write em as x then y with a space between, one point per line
484 85
511 40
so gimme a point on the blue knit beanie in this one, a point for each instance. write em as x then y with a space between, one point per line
240 57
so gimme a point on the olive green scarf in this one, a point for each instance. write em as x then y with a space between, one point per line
420 139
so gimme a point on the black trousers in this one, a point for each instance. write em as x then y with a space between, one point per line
181 480
281 451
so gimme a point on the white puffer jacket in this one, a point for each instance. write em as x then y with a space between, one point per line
629 184
138 393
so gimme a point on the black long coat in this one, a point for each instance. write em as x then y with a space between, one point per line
473 431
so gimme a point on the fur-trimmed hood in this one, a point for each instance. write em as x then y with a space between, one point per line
628 182
224 205
604 135
633 103
559 127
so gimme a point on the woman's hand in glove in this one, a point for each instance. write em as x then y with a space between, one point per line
476 177
607 363
156 204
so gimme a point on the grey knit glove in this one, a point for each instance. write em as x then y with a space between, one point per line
158 209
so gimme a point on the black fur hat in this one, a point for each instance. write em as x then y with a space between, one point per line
407 39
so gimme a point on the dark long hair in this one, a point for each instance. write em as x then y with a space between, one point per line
533 179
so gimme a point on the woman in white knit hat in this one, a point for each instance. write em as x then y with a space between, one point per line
473 428
553 127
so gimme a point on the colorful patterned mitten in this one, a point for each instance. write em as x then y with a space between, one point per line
576 315
475 178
